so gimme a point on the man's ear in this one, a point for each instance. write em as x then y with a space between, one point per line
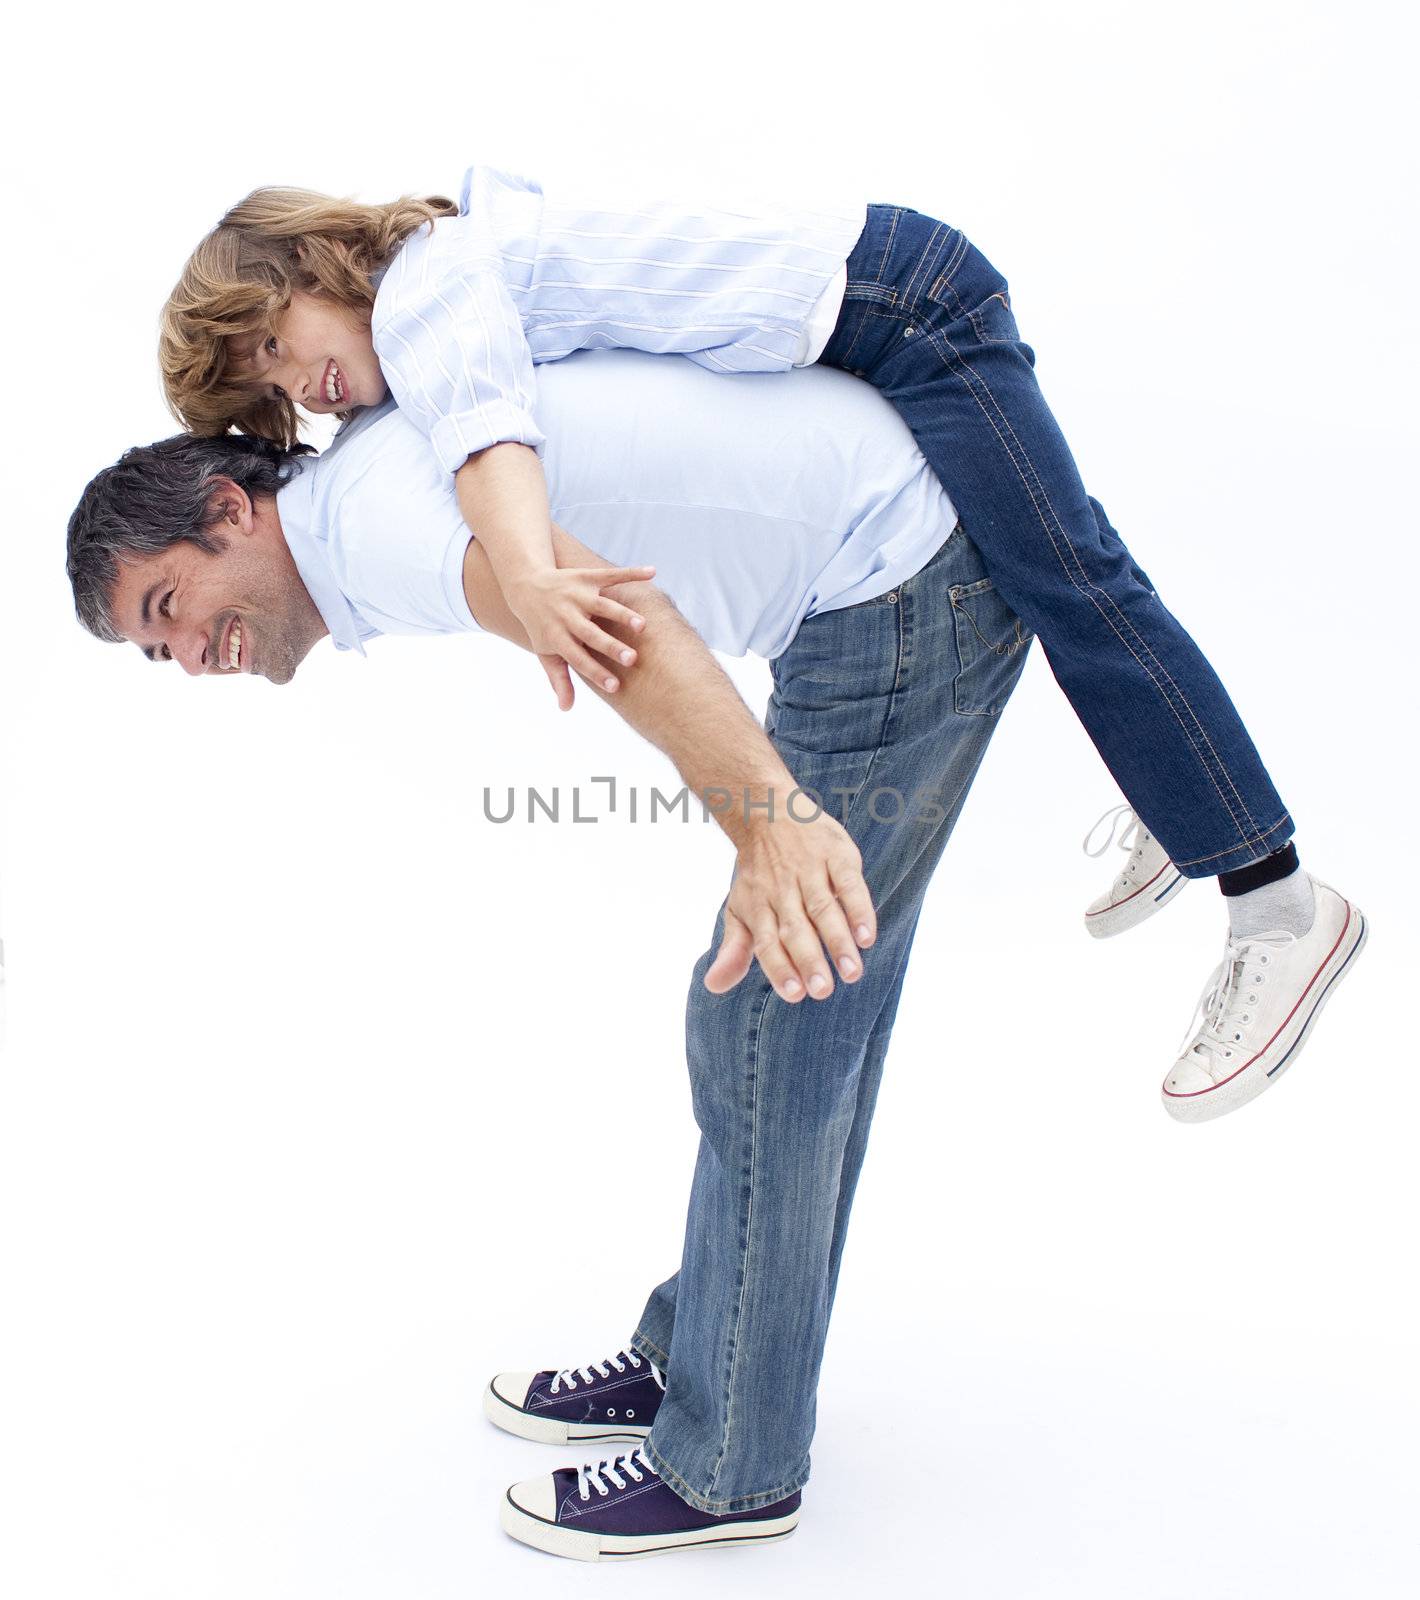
229 507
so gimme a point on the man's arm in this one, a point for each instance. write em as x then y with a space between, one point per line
798 884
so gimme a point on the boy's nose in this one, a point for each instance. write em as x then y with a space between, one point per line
297 385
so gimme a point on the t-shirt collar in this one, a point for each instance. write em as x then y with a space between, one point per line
294 503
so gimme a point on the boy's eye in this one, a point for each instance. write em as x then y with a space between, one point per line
271 345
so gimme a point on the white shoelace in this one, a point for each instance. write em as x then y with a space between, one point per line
1233 986
604 1473
1123 830
602 1369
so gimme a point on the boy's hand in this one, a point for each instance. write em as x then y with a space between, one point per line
558 606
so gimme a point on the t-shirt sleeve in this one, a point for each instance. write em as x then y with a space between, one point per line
397 547
454 354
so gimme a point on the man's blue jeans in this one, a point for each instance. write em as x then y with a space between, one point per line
883 711
927 319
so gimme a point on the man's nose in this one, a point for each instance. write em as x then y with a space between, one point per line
190 649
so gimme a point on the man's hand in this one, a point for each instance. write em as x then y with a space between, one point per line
558 608
798 889
798 885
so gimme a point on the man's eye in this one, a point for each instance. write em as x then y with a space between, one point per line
163 610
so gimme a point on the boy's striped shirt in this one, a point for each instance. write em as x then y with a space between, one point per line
466 308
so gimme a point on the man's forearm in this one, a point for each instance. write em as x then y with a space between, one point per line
678 696
798 888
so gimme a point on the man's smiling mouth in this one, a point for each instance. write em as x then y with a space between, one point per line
232 647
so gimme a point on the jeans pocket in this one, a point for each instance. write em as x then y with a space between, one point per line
991 643
993 321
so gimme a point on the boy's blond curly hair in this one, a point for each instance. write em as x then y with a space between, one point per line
240 279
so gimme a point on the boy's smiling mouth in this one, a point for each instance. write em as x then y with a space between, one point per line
333 385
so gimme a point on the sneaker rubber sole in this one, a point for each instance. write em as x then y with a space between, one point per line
1249 1081
559 1541
1163 888
552 1430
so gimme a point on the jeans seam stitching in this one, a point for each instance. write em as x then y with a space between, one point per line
1091 591
652 1351
711 1506
1198 861
747 1247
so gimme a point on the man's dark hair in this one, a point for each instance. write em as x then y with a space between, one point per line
154 496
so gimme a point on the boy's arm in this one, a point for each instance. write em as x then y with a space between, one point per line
502 497
798 884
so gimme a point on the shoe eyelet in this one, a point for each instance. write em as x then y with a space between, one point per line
611 1411
629 1415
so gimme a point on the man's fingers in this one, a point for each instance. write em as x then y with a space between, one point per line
772 956
845 872
733 958
831 924
800 940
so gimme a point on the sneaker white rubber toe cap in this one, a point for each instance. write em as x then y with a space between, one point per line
512 1387
1259 1009
537 1497
1148 882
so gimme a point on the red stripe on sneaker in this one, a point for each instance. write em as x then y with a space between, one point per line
1125 901
1326 962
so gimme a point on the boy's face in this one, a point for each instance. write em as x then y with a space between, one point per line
321 357
242 610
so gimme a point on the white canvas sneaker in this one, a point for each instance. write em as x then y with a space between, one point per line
1147 884
1259 1007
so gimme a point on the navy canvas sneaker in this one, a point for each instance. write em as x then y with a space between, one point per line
622 1509
613 1399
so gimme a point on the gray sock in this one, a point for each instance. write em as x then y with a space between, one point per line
1287 906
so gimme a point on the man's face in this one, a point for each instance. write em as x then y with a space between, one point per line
320 357
243 610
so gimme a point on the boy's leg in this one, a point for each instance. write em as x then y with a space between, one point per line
891 704
927 320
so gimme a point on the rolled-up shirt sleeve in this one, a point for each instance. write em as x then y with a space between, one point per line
457 362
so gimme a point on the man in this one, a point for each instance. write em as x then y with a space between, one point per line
892 658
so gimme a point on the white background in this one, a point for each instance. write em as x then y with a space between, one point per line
324 1097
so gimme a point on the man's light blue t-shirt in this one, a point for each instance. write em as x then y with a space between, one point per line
761 499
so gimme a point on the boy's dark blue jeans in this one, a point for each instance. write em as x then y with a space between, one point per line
927 320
